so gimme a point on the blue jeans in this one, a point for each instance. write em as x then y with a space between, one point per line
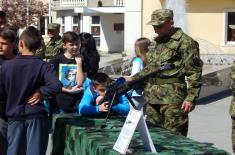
31 134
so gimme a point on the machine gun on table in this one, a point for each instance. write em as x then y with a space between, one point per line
120 86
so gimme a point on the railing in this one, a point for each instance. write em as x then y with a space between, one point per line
119 2
73 3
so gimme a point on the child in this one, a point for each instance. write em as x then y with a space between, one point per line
8 50
67 63
141 48
20 78
91 106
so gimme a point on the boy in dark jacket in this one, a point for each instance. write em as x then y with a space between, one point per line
8 49
20 78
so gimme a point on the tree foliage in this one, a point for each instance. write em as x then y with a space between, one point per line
16 11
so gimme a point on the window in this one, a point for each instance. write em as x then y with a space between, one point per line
75 19
95 29
97 41
95 20
76 24
230 27
118 27
63 25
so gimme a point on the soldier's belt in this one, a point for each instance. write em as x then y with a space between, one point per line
166 80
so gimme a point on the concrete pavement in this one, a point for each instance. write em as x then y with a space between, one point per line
109 58
211 123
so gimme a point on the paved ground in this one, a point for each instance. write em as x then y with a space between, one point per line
211 123
107 58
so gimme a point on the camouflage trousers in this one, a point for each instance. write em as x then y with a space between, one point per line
233 133
168 116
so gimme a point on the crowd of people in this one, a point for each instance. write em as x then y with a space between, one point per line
61 76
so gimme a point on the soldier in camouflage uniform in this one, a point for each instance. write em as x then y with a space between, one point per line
172 97
41 51
54 46
232 107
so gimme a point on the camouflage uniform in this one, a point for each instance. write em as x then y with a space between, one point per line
54 48
166 95
41 51
232 107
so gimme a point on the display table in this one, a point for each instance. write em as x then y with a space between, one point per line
75 135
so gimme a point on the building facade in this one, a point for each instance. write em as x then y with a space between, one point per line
104 19
210 22
116 24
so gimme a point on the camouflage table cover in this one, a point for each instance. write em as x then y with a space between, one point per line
75 135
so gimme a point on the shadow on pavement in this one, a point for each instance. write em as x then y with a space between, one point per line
214 97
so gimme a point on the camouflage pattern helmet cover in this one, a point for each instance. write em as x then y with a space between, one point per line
160 16
53 26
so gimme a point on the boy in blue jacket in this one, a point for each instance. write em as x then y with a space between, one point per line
25 78
91 103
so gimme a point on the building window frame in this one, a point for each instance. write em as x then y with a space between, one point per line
62 24
95 29
76 26
227 30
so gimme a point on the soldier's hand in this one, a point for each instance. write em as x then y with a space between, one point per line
187 106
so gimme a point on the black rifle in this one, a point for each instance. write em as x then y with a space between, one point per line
119 87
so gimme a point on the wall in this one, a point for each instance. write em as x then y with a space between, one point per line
205 22
148 7
132 24
112 41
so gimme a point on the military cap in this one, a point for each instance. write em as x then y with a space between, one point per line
160 16
54 26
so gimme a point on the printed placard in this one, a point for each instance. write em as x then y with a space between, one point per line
67 75
127 131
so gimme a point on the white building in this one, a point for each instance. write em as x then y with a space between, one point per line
115 24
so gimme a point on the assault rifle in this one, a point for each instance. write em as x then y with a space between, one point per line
120 86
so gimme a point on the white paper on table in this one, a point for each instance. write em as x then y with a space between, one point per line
127 131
